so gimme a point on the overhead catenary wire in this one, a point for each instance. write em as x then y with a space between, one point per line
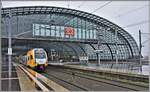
81 4
1 4
22 33
145 41
131 11
68 4
101 6
135 24
144 35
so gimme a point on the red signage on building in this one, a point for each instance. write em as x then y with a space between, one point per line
69 31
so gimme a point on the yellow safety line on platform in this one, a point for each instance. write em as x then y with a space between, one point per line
56 87
35 80
24 81
9 78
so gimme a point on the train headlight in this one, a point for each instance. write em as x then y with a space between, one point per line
46 62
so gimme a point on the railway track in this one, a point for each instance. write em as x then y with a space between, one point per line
79 82
72 86
94 78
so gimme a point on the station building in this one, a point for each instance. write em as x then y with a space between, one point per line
65 33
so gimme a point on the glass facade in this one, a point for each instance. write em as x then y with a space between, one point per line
50 23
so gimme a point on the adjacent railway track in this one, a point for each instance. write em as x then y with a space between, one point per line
72 86
79 82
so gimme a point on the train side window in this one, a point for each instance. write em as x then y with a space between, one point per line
31 56
28 58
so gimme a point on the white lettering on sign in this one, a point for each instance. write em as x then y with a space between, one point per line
83 58
9 51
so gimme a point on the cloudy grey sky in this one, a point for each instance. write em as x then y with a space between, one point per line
131 15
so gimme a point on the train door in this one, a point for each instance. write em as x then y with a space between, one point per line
30 57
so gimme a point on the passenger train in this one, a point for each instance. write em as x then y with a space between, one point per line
36 58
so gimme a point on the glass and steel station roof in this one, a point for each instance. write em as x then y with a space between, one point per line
84 24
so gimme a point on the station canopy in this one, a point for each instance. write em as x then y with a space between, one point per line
67 31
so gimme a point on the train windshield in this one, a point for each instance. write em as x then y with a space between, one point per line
40 54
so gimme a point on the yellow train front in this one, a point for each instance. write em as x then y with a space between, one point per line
37 59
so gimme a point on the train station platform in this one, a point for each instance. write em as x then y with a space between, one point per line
9 83
107 67
26 79
18 81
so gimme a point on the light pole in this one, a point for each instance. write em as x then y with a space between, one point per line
99 56
140 46
98 51
0 49
116 54
9 48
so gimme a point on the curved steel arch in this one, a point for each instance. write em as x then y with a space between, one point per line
82 49
110 50
105 45
94 49
30 10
